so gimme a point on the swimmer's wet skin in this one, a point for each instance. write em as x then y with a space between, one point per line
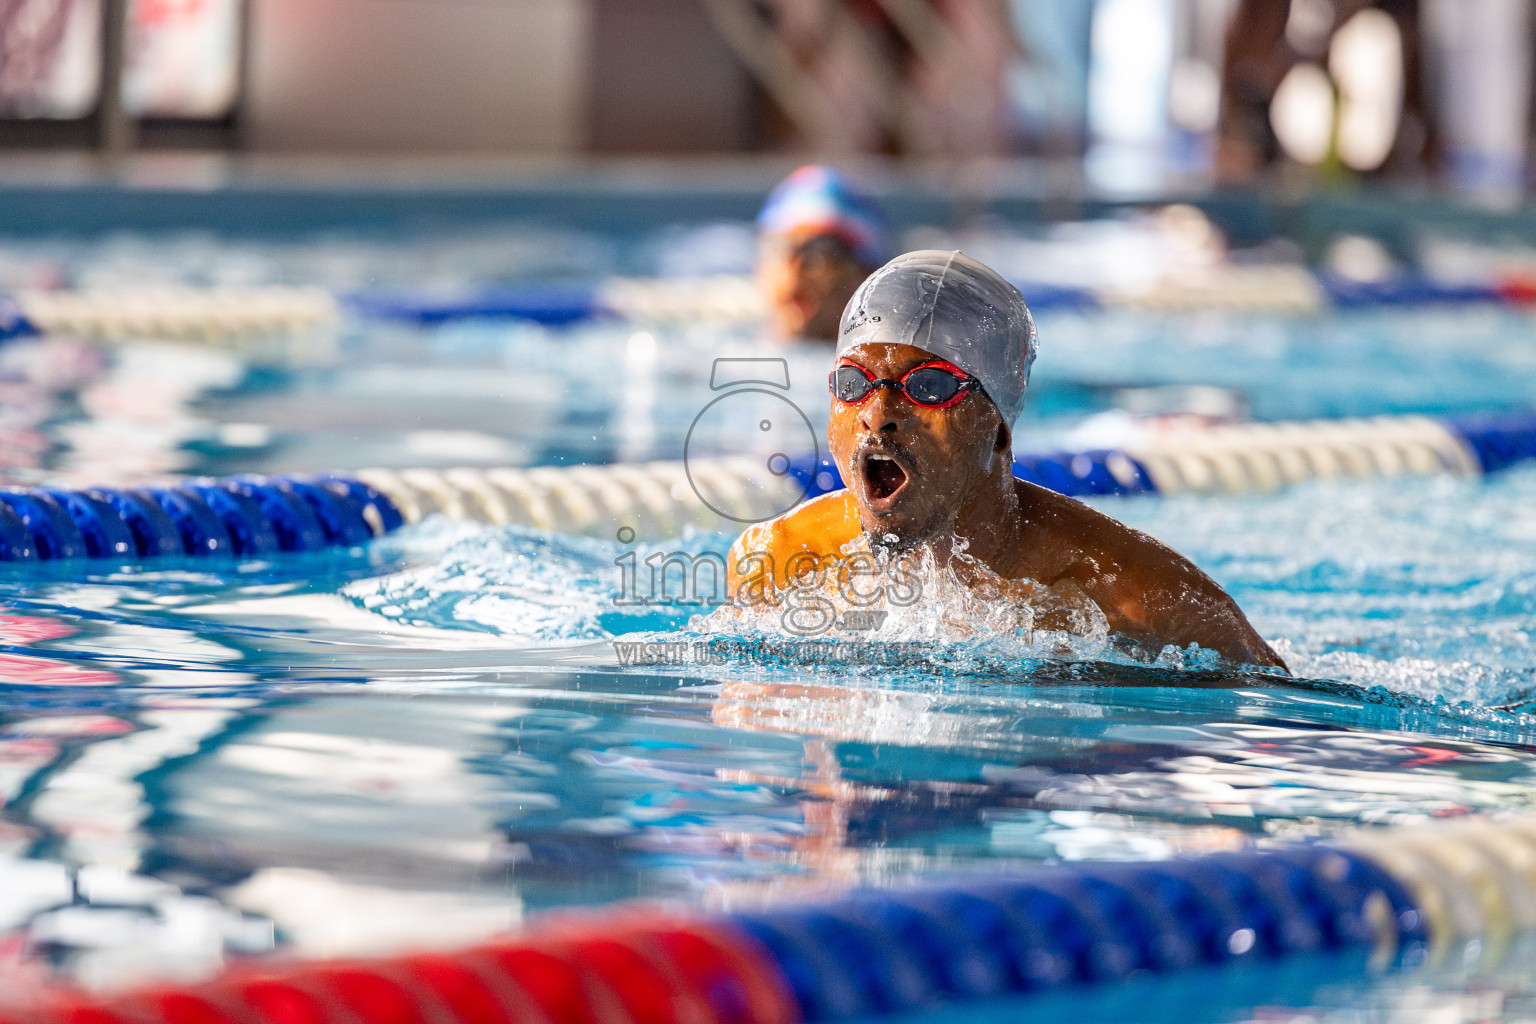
932 361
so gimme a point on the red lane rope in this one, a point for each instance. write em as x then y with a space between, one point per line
630 968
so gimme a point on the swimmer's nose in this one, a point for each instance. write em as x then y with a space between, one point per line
886 412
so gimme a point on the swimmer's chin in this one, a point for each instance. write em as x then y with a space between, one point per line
889 517
894 531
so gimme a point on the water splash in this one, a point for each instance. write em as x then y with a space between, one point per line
1424 587
532 588
1411 593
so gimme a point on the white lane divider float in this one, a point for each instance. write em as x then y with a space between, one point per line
255 516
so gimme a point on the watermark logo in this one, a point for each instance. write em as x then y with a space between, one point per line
852 594
860 621
753 412
693 573
723 650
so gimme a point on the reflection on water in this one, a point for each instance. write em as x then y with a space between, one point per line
1304 990
425 741
429 740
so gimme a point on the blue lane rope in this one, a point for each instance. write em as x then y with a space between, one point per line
550 304
564 303
558 304
1497 441
225 313
13 319
255 516
241 517
1405 290
882 951
1366 901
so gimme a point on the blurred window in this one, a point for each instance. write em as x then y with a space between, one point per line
50 57
182 58
1132 49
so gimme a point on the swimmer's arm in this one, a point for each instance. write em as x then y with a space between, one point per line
1148 592
1192 608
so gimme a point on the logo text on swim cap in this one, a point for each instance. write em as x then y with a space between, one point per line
859 321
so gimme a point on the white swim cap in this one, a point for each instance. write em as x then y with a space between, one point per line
955 307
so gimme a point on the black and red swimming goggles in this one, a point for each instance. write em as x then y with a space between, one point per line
935 385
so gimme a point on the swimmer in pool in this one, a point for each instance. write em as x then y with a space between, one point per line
818 239
933 355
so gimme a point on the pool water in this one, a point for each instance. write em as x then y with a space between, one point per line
432 738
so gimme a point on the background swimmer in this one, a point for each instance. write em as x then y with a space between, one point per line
818 239
933 358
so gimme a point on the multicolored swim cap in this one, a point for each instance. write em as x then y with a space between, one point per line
816 200
959 309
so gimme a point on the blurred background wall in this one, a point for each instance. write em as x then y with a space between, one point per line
390 75
660 79
1134 90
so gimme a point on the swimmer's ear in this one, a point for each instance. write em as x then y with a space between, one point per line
1004 440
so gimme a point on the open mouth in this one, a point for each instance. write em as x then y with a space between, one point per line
883 477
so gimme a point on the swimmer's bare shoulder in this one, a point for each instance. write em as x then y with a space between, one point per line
1148 592
805 537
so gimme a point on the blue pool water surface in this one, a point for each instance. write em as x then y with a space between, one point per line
431 738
